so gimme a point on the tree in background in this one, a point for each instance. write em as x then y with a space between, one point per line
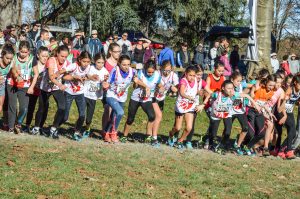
10 12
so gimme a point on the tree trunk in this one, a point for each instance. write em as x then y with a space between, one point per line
10 12
264 26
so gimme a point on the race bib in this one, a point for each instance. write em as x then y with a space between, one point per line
95 87
120 90
260 103
289 108
25 74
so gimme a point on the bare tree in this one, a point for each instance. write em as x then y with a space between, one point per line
10 12
286 14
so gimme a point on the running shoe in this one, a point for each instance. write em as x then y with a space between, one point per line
123 139
290 155
106 137
206 144
220 149
148 139
266 152
248 151
155 143
26 129
54 133
35 131
274 152
189 145
18 129
239 151
281 154
172 141
86 134
77 136
114 137
180 145
12 131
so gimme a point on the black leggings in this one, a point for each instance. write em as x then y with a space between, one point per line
90 109
191 134
41 114
213 130
31 107
257 130
133 107
242 118
291 132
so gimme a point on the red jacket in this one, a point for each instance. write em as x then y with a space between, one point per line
286 67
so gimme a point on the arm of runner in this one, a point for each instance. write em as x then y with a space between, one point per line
53 77
207 87
34 80
257 107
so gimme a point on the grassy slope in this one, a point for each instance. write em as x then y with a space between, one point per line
33 167
36 166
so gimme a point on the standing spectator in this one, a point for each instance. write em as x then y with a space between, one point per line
93 44
274 62
149 52
213 54
125 44
242 66
235 57
44 39
116 38
166 54
78 40
109 40
2 40
33 33
222 55
21 37
199 55
11 34
294 64
183 57
285 65
138 51
64 41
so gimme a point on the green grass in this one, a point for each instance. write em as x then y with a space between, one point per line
38 167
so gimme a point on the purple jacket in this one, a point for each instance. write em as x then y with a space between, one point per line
227 65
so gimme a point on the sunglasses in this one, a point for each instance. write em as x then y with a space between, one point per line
125 35
167 71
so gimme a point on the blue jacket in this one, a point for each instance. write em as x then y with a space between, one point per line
94 46
166 54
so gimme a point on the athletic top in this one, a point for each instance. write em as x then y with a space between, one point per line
4 73
119 83
25 72
290 103
184 105
139 94
75 87
215 85
46 84
93 89
261 96
167 82
221 106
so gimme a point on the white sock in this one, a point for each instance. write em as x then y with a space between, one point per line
155 137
